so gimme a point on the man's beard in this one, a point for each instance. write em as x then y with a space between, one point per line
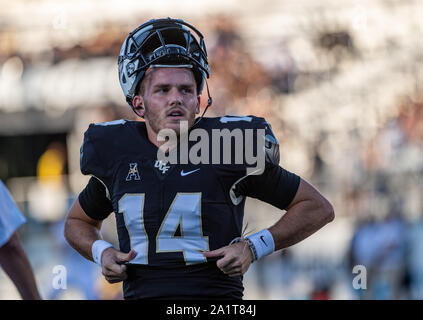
155 126
152 119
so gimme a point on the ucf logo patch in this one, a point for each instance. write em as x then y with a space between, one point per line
133 172
161 166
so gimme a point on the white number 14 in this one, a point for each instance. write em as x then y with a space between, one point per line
184 212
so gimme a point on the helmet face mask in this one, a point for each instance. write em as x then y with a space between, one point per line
161 43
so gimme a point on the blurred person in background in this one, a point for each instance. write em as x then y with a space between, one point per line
75 265
380 244
12 256
391 272
179 229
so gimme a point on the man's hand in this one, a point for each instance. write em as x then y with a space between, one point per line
236 258
112 268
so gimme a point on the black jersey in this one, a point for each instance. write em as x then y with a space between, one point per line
170 212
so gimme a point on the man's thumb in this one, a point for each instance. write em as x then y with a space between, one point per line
214 253
128 256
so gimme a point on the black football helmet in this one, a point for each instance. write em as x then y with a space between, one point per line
161 42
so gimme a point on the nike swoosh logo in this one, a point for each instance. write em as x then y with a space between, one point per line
261 238
183 174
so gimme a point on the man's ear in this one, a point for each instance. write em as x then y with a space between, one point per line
197 109
138 103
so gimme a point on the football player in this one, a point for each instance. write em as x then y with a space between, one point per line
179 224
12 256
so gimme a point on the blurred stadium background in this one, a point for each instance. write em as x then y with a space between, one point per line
340 82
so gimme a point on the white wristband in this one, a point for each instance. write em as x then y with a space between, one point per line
263 243
97 250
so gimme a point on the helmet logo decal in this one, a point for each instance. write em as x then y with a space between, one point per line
130 68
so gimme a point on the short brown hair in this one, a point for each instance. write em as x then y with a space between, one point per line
140 88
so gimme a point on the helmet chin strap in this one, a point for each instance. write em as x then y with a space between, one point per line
209 103
133 109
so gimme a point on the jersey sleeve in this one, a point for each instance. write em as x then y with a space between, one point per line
94 200
10 216
275 186
90 153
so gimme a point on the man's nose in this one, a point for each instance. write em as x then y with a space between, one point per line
175 97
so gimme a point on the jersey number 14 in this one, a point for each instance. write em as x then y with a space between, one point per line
184 212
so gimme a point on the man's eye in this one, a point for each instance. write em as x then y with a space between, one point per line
186 90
